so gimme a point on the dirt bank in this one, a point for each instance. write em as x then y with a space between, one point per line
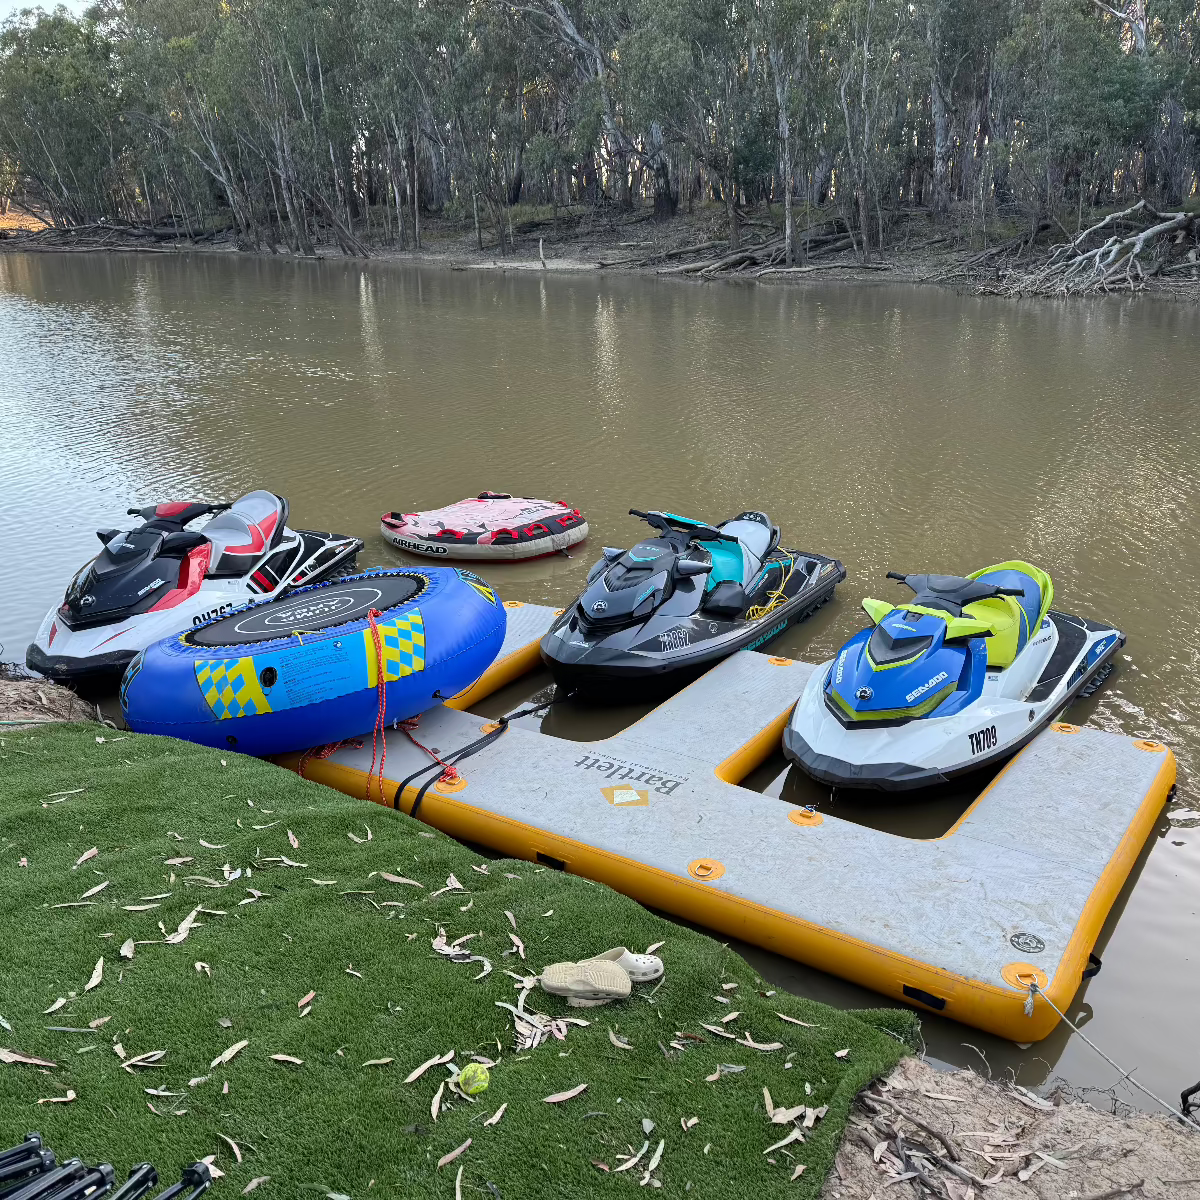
28 701
960 253
962 1137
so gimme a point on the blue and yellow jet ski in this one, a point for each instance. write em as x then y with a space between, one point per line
680 601
959 677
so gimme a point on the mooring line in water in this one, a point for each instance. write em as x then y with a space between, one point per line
1034 991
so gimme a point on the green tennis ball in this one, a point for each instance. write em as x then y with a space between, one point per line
474 1078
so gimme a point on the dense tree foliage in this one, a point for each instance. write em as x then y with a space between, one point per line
290 119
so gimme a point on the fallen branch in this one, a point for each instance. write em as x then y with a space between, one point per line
833 266
1112 1193
1078 267
944 1138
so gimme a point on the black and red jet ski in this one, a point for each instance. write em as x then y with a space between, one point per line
680 601
150 582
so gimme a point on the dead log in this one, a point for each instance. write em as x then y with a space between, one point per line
833 266
668 254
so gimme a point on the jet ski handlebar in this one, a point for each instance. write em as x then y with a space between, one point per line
665 523
201 510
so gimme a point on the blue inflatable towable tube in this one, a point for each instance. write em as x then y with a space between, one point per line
303 670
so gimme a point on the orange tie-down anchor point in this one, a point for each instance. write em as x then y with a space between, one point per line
1022 974
706 869
449 786
805 816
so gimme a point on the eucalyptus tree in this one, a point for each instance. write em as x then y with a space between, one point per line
873 43
60 105
1086 107
590 33
300 120
694 66
961 40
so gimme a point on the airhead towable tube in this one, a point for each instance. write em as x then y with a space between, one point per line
304 669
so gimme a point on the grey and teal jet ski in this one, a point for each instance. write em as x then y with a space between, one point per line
683 599
955 679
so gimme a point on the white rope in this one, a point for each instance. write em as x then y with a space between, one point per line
1034 990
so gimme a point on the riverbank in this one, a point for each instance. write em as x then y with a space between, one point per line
28 701
998 257
282 888
965 1137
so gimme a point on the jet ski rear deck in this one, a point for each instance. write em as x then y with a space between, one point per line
1016 892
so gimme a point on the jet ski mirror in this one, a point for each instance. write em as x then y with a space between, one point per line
106 535
612 553
691 566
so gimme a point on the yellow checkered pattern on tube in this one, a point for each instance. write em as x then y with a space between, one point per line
403 644
231 687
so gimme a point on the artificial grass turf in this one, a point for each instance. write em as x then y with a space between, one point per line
333 1124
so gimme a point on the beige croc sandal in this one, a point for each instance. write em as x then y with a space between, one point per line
641 968
586 984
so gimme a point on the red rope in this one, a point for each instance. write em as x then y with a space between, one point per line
377 734
319 752
449 774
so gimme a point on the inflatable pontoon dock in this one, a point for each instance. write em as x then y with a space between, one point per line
1016 891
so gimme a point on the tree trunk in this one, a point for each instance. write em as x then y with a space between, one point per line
789 226
864 218
941 150
416 186
295 218
729 191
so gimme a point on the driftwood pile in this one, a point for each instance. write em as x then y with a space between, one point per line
768 257
109 235
27 699
1123 252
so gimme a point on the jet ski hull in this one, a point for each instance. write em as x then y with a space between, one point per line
94 657
902 757
666 651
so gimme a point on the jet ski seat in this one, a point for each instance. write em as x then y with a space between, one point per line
250 526
1013 619
1010 621
756 538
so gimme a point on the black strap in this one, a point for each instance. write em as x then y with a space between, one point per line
457 756
1093 967
1186 1103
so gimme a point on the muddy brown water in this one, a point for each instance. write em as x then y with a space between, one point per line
895 427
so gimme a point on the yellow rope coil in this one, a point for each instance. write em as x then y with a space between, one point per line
777 597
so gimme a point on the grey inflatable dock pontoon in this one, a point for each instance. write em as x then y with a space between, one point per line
1015 892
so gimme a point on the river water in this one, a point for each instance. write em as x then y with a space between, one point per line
894 427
